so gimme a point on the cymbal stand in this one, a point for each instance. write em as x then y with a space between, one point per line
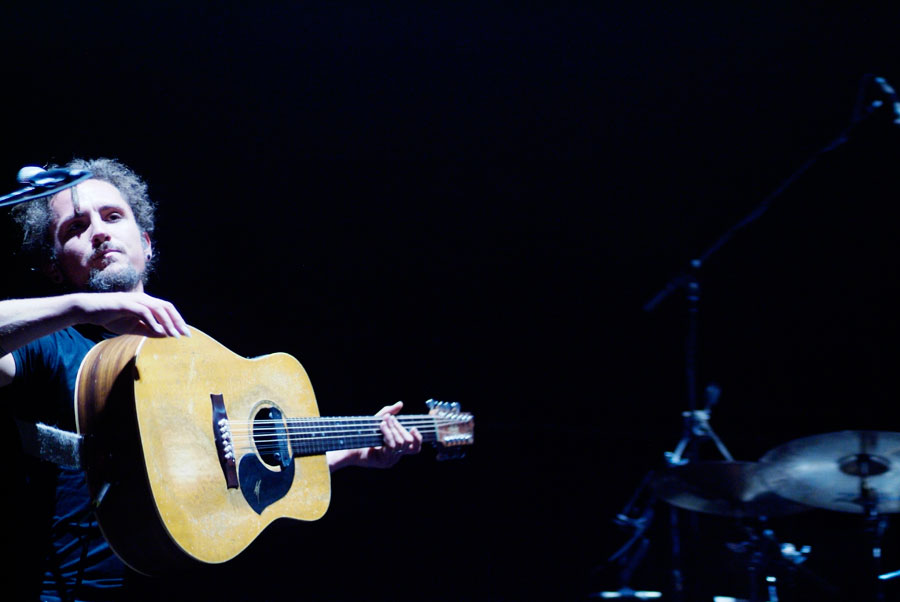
767 559
864 111
875 526
637 515
697 422
696 428
696 425
759 553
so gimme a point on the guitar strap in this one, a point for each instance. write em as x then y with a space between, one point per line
51 444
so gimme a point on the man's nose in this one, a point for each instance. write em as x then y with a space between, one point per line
99 234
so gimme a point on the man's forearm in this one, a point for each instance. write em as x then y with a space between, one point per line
343 458
25 320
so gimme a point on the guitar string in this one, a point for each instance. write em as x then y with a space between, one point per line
312 429
246 443
315 422
277 444
308 435
316 434
242 430
246 447
362 418
293 424
294 440
299 439
348 419
279 425
277 441
338 420
276 426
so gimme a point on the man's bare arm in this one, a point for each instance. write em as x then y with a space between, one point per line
25 320
397 442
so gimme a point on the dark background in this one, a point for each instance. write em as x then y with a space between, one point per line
473 202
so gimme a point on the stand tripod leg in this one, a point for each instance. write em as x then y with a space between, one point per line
677 568
875 527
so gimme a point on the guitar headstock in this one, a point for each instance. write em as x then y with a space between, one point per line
455 428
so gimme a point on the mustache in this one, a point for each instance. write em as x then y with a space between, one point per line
103 248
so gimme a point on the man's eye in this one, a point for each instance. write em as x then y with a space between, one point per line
114 217
74 227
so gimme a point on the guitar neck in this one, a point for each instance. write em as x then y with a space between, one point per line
313 436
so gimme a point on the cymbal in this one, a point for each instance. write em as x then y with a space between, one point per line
735 489
846 471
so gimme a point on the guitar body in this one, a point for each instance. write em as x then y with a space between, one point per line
145 408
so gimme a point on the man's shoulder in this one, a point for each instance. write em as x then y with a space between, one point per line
66 346
66 338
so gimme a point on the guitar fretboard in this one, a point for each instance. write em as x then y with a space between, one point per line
313 436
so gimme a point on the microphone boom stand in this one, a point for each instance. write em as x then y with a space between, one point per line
696 423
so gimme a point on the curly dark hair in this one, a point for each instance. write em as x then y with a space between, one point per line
34 218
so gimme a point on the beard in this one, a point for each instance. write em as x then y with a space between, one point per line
112 281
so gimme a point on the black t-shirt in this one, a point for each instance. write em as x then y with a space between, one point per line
79 560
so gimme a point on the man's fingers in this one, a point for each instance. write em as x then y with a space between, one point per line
391 409
167 316
164 318
408 439
391 439
398 441
134 313
174 319
146 315
130 325
417 441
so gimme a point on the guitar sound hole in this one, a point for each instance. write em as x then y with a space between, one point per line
270 437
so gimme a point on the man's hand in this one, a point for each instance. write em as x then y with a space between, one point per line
131 313
25 320
397 442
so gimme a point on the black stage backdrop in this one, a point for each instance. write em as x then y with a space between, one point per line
473 202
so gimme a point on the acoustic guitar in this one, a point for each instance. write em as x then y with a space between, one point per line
191 450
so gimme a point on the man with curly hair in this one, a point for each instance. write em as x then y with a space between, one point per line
94 242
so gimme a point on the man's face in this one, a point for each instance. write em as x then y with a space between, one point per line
96 239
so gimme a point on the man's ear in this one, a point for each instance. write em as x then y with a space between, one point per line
148 246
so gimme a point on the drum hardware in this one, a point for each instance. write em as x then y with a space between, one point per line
771 562
731 496
724 488
639 512
740 490
847 471
636 517
696 422
697 428
628 594
759 553
888 576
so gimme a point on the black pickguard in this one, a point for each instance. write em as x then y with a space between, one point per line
261 486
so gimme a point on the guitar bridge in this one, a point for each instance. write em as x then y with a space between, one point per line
224 443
